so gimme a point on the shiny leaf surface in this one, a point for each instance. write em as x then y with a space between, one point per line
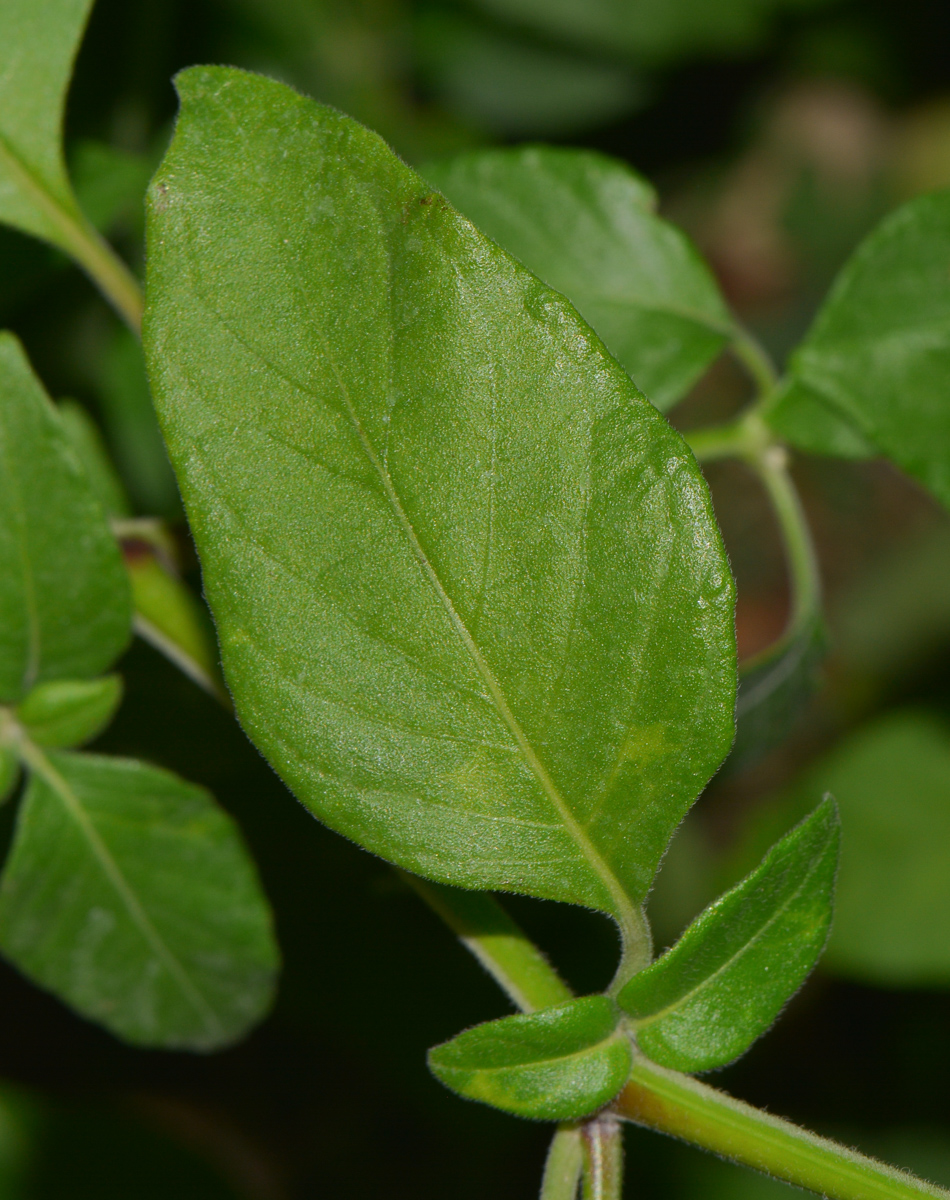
557 1064
471 598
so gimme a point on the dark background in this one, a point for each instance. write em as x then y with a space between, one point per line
778 154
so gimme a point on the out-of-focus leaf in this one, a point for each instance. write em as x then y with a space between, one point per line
169 617
587 226
110 184
132 429
471 598
513 87
9 774
879 351
773 690
726 980
38 43
86 440
650 29
64 593
130 894
69 712
805 420
557 1064
892 906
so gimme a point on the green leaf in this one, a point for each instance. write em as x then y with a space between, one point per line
110 184
558 1064
726 980
130 894
878 353
86 441
69 712
9 772
64 593
587 226
892 900
807 421
469 590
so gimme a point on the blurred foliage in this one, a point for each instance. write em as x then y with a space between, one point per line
778 134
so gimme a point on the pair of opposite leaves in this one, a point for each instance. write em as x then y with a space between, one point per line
127 891
471 597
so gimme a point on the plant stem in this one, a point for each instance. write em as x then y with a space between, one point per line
603 1158
483 926
562 1167
105 268
755 360
685 1108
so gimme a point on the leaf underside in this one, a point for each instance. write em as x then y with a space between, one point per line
470 594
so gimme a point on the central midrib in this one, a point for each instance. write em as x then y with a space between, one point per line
624 910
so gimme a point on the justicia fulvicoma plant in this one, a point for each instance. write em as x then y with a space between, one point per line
471 599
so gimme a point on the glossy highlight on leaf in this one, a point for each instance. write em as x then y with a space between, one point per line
557 1064
130 894
726 980
64 594
878 353
587 225
479 623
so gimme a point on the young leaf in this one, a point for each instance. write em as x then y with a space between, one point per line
86 441
558 1064
809 422
878 353
726 980
64 593
69 712
587 226
470 594
38 43
130 894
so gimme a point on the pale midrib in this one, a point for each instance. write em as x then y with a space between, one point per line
624 910
68 228
32 664
38 762
743 949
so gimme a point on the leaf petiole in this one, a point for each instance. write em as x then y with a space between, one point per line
603 1158
563 1165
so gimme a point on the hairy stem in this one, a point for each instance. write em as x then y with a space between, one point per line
685 1108
514 962
562 1168
603 1158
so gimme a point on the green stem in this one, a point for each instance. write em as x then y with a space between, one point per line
756 361
603 1158
515 963
105 268
562 1168
685 1108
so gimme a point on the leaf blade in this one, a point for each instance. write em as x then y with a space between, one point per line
64 594
724 983
129 894
403 678
586 225
556 1064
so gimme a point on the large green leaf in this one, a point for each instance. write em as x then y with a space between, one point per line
38 43
470 594
557 1064
726 980
64 593
878 353
130 894
587 225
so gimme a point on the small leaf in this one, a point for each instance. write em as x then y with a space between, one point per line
9 772
878 353
130 894
38 43
726 980
557 1064
587 226
470 594
810 423
64 593
69 712
86 441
